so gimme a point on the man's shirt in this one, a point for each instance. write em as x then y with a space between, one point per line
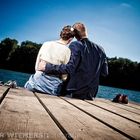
87 62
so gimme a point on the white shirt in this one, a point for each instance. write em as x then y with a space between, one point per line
54 53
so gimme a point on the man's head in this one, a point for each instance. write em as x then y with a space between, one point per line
80 30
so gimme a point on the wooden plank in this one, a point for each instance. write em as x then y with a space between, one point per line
127 114
131 104
22 116
134 105
2 90
121 106
78 124
130 128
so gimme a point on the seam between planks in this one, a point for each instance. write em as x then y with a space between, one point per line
63 130
132 107
128 105
4 95
110 126
123 108
114 113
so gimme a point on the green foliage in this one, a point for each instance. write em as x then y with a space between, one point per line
18 57
123 72
7 47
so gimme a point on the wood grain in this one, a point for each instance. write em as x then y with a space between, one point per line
116 121
22 116
78 124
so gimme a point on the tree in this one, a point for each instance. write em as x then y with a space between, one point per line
25 56
7 47
123 72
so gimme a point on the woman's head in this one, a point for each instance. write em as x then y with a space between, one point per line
67 33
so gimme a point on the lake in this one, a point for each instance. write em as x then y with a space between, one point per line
104 91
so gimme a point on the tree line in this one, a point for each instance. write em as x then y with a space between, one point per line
123 72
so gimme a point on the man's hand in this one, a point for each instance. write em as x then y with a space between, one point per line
41 65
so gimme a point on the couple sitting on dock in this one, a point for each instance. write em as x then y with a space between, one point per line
73 70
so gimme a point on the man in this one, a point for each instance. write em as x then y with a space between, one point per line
88 61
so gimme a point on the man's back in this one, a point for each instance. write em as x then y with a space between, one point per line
90 65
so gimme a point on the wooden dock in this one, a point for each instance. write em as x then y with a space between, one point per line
33 116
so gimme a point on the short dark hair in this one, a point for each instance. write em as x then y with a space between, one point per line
80 30
67 32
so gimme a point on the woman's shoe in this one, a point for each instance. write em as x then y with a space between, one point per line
11 84
1 83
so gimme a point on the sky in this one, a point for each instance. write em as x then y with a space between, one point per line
113 24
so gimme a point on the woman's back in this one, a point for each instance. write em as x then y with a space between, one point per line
53 52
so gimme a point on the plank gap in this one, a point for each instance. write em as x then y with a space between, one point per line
116 105
66 134
4 95
114 112
110 126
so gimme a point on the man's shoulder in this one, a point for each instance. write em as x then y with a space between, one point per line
98 47
76 46
76 43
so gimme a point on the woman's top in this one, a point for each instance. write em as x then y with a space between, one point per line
53 52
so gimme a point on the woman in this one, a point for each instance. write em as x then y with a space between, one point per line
55 52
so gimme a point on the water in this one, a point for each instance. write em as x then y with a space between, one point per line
111 92
20 77
104 91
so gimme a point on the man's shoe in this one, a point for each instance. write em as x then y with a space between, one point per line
124 99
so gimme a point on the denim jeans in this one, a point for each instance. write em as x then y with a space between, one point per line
40 82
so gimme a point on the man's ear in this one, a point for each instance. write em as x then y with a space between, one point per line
77 34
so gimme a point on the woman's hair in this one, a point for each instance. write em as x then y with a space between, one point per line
67 32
